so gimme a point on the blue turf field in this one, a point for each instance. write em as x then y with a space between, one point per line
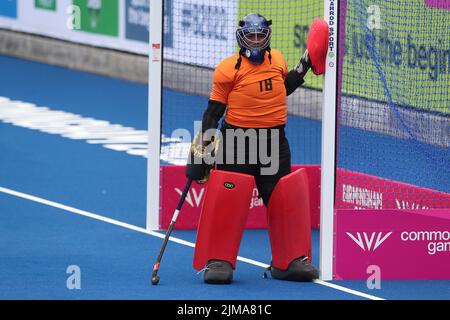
38 241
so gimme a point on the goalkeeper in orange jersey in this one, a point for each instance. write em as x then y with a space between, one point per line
250 89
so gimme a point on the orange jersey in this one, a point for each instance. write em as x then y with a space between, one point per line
255 95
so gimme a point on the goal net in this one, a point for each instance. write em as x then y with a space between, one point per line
199 34
394 107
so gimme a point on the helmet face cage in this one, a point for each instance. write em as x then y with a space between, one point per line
254 38
253 35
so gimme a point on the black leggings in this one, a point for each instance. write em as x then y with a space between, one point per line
264 182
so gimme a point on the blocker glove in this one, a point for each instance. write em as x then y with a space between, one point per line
317 45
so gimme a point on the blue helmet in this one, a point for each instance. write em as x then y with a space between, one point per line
253 36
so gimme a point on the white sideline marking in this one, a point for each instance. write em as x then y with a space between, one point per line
159 235
93 131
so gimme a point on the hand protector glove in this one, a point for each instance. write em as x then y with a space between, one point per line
201 158
303 64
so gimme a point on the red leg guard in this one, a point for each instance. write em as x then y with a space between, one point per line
223 217
288 215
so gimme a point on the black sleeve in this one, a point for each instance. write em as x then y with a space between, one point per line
293 81
212 115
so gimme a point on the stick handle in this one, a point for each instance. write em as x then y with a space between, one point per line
169 231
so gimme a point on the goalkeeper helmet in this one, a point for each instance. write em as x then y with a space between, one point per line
253 36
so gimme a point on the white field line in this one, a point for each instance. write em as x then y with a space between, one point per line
160 235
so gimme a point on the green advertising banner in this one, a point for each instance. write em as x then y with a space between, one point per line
397 50
45 4
100 17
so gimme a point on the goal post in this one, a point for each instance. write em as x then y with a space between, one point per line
154 113
328 145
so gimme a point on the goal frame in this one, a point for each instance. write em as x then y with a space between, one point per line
328 143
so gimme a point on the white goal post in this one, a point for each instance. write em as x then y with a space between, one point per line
328 156
154 113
